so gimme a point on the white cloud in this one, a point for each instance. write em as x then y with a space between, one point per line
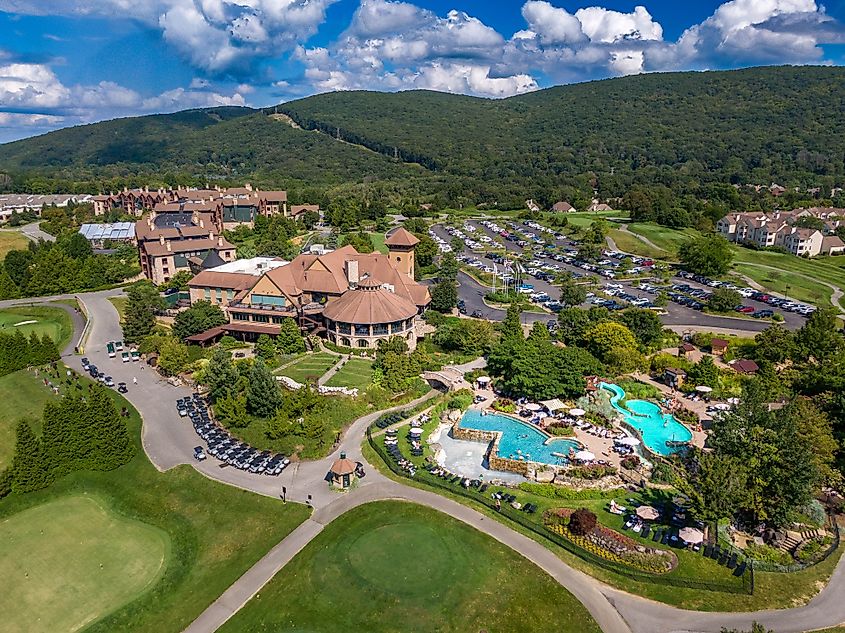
218 36
553 25
608 27
30 86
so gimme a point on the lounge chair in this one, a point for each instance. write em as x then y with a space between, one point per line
708 549
665 538
646 530
658 533
732 561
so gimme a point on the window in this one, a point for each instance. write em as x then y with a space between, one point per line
260 318
344 328
362 330
345 342
380 328
240 316
363 343
397 326
208 294
267 300
230 294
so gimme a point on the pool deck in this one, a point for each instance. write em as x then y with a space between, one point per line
468 458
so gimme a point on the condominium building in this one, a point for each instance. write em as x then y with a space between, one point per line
779 229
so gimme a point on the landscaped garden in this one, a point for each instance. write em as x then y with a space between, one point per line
391 566
309 367
54 322
197 538
355 373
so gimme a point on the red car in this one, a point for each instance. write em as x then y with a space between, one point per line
745 309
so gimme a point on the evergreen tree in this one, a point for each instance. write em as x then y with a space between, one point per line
444 296
113 446
230 411
265 349
289 340
28 468
201 316
143 303
49 350
263 396
8 289
221 375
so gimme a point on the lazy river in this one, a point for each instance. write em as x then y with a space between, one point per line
520 439
655 427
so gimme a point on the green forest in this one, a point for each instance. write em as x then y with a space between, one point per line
684 131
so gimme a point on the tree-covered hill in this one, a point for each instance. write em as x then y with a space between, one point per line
682 130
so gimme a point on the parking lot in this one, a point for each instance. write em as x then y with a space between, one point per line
554 253
222 445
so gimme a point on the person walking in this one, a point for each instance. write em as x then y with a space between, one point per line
134 380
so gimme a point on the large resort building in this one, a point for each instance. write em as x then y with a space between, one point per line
355 299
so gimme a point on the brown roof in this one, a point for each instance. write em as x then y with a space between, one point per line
273 196
718 342
157 249
401 237
326 274
675 371
343 466
211 279
562 206
208 335
745 366
296 209
687 347
368 304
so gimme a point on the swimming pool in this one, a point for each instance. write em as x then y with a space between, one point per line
520 439
656 427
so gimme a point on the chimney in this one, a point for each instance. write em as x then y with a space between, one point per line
211 235
248 187
202 223
352 272
220 241
161 240
195 218
168 245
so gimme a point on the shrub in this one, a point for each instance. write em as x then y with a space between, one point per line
504 405
460 400
777 317
561 430
630 462
662 473
582 522
594 471
553 491
768 554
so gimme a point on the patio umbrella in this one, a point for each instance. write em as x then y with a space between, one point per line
648 513
416 431
703 389
483 379
721 407
577 412
733 400
629 441
584 456
691 535
533 406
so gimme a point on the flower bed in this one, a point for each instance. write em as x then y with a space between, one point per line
504 405
611 545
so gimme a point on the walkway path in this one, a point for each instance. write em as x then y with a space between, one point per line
167 441
322 380
33 231
611 244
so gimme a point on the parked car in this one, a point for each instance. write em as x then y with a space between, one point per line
121 387
199 453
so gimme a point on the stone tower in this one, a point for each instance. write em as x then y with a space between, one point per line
400 247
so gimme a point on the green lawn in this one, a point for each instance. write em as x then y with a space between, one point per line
12 241
394 566
667 239
81 561
772 590
23 396
119 304
310 367
216 533
631 244
378 242
357 372
54 322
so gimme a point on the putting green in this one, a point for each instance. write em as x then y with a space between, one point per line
54 322
393 566
68 562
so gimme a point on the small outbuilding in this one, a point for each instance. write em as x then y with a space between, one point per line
718 346
674 377
342 472
684 349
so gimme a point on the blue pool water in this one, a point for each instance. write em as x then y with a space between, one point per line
656 427
519 438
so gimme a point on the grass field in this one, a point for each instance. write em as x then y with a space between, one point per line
12 241
772 590
81 562
119 304
216 532
310 367
378 242
54 322
357 372
23 396
631 244
393 566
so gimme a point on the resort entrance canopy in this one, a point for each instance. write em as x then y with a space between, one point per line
553 405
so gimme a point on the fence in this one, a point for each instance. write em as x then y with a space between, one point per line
744 586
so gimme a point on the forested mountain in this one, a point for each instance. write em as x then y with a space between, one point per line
682 130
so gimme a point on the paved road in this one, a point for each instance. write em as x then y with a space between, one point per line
168 441
33 231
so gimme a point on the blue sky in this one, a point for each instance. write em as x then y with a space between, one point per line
66 62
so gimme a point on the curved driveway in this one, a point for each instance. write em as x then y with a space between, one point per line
168 441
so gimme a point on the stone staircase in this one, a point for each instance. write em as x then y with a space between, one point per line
794 538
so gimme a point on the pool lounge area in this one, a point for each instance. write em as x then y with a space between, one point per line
655 427
521 441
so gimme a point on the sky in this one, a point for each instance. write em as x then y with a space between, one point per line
70 62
